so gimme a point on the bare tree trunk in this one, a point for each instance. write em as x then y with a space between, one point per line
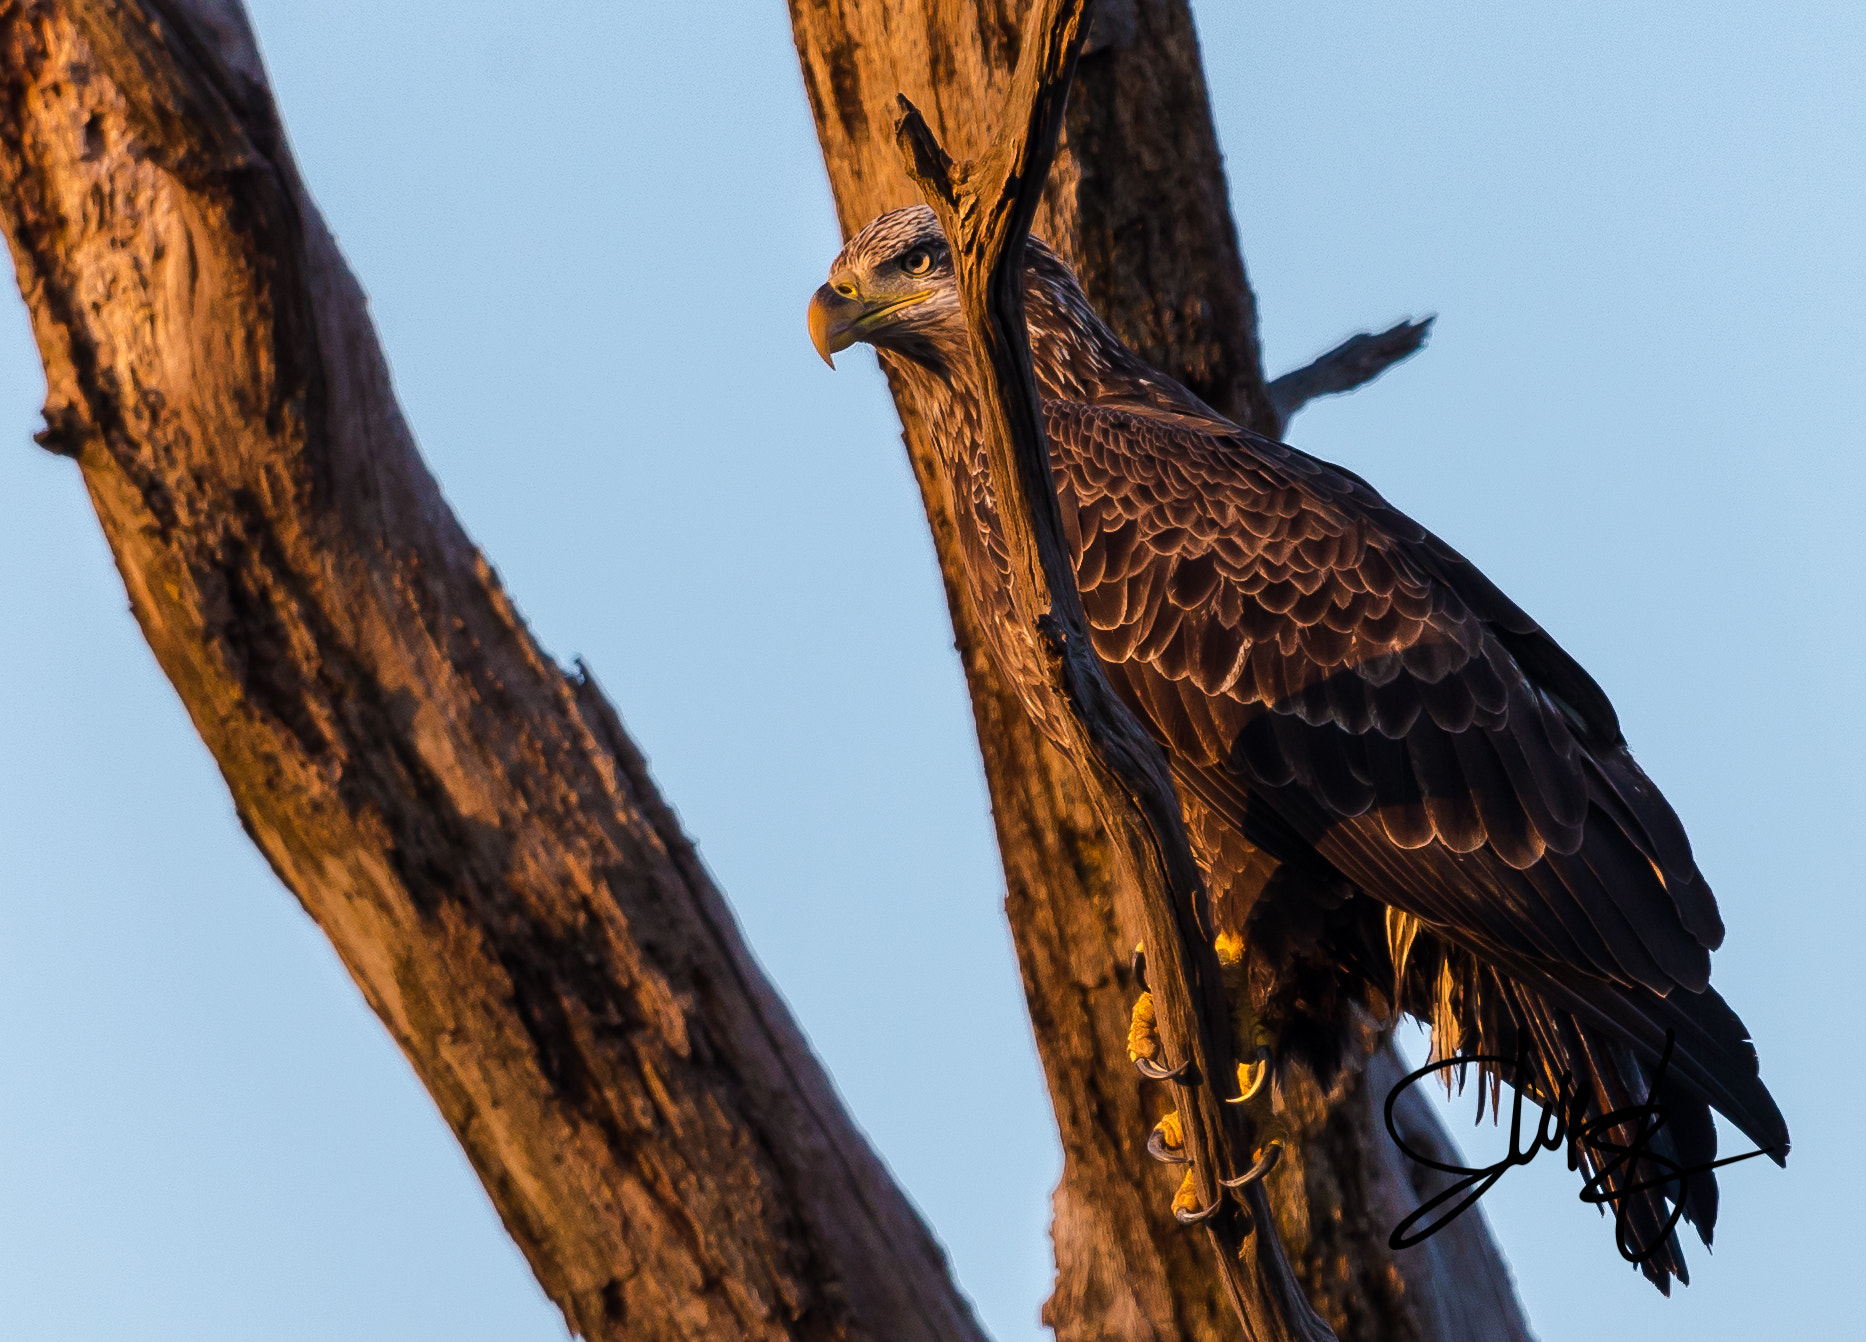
1137 203
468 824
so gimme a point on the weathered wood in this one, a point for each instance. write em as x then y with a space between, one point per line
1137 203
469 825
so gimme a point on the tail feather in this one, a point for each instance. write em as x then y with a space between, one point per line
1607 1041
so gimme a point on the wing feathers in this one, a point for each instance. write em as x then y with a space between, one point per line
1333 678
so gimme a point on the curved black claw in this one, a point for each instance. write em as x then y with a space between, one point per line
1266 1161
1262 1065
1152 1070
1138 967
1159 1150
1186 1218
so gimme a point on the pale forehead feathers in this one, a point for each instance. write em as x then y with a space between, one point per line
888 235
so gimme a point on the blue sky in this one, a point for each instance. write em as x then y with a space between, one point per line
1641 413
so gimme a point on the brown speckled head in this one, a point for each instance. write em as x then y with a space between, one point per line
888 236
893 286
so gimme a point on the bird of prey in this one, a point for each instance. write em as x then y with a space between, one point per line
1406 796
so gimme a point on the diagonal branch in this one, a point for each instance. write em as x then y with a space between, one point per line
470 826
986 207
1353 363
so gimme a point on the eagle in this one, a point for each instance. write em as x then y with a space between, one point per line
1405 795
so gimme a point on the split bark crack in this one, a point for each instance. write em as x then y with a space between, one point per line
986 207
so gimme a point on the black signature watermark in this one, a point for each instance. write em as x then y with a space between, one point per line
1626 1158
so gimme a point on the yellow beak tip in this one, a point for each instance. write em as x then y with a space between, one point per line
822 322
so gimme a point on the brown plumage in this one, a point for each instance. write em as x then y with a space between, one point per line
1396 780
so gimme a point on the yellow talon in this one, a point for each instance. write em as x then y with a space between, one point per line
1187 1198
1251 1076
1143 1034
1172 1136
1244 1024
1167 1141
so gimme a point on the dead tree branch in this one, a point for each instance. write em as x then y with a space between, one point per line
469 825
986 207
1353 363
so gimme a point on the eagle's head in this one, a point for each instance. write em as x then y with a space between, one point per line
893 287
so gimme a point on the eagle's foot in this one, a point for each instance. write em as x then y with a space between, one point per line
1143 1030
1253 1076
1167 1141
1266 1159
1154 1072
1246 1030
1144 1048
1186 1209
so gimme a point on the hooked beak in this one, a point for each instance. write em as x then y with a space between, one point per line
837 321
832 322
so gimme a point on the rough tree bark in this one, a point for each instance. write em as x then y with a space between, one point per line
468 824
1137 202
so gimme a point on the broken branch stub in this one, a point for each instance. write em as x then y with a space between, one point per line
1353 363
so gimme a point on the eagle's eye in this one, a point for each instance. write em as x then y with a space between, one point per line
917 262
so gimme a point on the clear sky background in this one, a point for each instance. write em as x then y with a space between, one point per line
588 231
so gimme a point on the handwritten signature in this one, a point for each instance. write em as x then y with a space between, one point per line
1562 1124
